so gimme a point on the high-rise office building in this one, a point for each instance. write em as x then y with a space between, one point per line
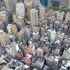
34 17
67 3
64 2
44 3
11 4
57 2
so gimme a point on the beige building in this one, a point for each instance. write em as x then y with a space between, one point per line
67 3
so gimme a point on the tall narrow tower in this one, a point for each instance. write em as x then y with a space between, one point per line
34 17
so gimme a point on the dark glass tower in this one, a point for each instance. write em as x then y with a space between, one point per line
44 2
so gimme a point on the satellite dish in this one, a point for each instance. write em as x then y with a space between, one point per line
44 3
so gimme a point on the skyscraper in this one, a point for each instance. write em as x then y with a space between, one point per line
67 3
44 3
34 17
11 4
60 2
